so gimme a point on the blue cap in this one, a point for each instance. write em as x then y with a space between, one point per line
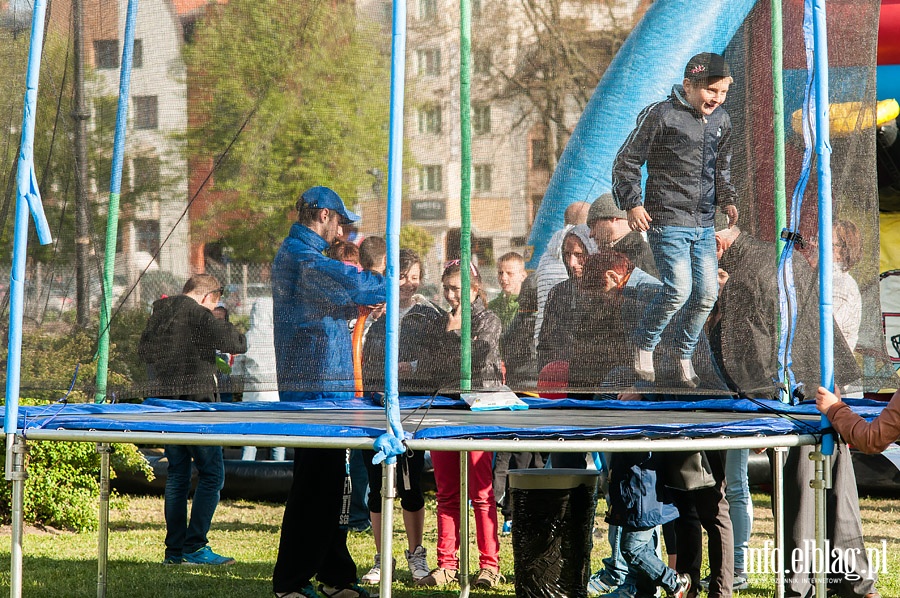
323 197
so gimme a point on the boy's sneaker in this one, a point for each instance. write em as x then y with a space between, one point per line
682 586
439 577
351 591
173 560
486 579
418 563
643 365
205 556
307 592
600 583
507 527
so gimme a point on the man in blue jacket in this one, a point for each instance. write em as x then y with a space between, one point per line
315 298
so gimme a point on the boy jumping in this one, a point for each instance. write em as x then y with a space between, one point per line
685 143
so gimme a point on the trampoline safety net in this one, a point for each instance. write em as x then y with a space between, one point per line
236 107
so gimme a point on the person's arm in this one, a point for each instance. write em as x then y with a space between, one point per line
223 336
363 287
626 169
868 437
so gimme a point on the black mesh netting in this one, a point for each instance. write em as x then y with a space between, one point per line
237 107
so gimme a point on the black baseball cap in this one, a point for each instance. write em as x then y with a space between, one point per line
706 65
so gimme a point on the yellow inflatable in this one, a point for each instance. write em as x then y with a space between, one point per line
853 116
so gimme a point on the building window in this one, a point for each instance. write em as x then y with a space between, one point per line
106 53
146 112
427 10
482 177
540 160
387 13
476 8
146 174
146 236
430 119
429 62
481 61
105 113
481 119
137 57
430 178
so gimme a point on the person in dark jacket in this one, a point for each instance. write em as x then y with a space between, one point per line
638 503
179 347
442 364
561 313
314 299
685 143
745 340
610 230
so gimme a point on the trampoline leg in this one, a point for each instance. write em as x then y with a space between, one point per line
778 498
388 493
464 524
15 473
819 486
103 536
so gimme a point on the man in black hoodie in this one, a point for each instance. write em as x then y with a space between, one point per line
179 347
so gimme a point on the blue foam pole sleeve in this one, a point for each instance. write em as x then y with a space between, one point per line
27 199
650 61
395 197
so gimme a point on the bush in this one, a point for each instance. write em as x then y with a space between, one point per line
63 488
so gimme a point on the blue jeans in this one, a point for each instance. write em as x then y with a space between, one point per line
646 571
615 565
688 270
740 506
183 537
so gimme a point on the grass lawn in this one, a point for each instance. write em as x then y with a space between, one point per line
62 564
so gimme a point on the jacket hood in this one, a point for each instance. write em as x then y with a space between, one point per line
583 232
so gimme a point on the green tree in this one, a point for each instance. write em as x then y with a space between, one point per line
294 95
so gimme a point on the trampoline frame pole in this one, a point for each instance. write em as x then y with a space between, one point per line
818 486
388 493
105 449
463 524
16 473
778 513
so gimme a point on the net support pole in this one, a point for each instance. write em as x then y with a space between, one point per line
392 272
115 188
27 200
823 170
826 309
778 125
465 191
109 263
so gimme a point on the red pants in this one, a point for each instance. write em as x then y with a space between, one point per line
481 493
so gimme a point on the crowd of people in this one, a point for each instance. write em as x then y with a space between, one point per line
660 285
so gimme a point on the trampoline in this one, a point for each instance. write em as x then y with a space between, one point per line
245 126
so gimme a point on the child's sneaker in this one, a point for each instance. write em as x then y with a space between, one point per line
418 563
306 592
643 365
351 591
205 556
439 577
486 579
601 583
373 576
682 586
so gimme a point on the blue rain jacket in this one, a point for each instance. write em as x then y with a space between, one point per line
315 300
